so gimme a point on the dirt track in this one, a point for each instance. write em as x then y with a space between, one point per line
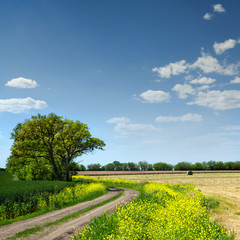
65 230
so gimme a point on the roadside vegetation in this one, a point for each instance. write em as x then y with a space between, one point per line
20 198
166 211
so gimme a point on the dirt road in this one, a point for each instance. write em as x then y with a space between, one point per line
65 230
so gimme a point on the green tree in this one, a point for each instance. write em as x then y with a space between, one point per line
161 166
144 166
94 167
52 141
133 166
183 166
110 167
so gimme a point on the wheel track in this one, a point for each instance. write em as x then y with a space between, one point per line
65 230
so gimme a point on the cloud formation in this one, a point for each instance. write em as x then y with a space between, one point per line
184 90
151 96
218 100
236 80
220 48
231 128
189 117
208 16
171 69
203 80
20 105
124 127
209 64
21 83
218 8
118 120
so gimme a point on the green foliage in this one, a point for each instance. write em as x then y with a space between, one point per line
211 203
183 166
94 167
5 177
160 166
45 146
48 196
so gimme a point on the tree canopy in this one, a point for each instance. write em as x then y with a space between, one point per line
45 147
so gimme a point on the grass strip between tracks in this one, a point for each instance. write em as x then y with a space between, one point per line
38 228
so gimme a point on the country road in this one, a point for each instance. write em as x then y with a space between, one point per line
67 229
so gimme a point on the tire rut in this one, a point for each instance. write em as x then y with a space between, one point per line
10 230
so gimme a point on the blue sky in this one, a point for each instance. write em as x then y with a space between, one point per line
156 80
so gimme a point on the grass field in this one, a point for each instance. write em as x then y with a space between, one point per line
224 187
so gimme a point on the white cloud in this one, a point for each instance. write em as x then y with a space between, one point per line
20 105
209 64
231 128
183 90
155 96
125 128
21 83
236 80
171 69
217 100
203 80
135 129
189 117
220 48
218 8
118 120
203 87
208 16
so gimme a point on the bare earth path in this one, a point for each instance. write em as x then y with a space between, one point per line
65 230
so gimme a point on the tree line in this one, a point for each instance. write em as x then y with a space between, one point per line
159 166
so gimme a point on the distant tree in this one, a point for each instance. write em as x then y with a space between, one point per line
229 166
117 166
82 167
110 167
150 167
143 165
183 166
160 166
197 166
125 167
133 166
94 167
211 165
219 166
50 141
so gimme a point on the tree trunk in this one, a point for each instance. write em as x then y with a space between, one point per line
55 169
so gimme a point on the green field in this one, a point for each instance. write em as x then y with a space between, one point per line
21 198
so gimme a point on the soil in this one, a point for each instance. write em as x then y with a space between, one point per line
66 230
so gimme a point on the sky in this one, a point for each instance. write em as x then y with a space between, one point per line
158 81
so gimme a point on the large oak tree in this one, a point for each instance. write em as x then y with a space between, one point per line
50 142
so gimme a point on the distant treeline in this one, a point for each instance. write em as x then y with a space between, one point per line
160 166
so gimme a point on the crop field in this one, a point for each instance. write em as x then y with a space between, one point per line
166 211
222 187
20 198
